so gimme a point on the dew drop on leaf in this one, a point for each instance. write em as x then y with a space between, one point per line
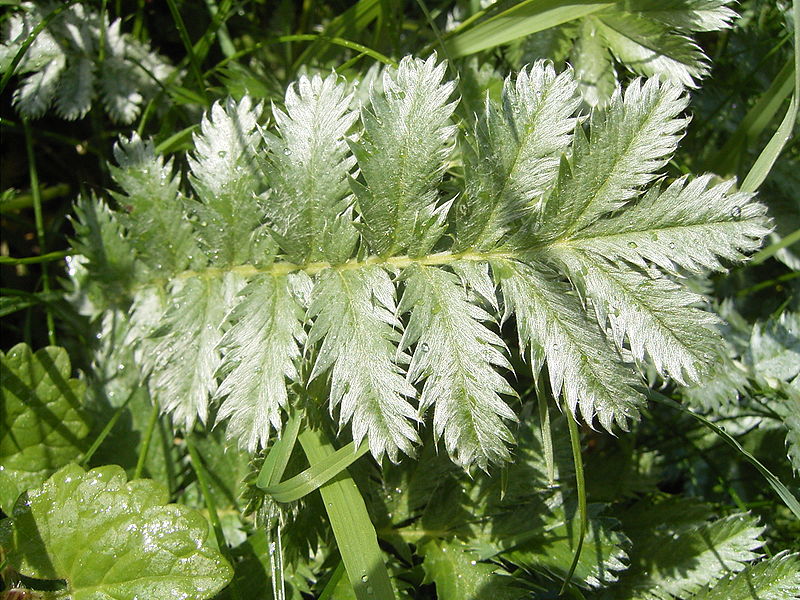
736 212
287 151
364 578
222 154
633 245
425 347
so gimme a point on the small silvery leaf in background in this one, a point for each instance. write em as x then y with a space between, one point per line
61 68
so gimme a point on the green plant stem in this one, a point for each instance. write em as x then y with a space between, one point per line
765 253
202 481
776 484
218 28
194 65
305 37
351 524
138 20
769 283
144 448
40 236
25 200
106 430
32 260
575 441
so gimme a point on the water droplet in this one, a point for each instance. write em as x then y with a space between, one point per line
672 245
287 151
473 562
425 347
633 245
736 212
364 578
222 154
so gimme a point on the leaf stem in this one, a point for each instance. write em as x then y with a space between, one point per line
194 67
211 506
106 430
40 235
148 437
575 440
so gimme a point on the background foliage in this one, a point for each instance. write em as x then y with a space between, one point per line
675 509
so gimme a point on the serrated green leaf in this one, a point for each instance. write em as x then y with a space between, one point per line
309 164
44 422
260 350
534 524
408 128
548 541
226 178
649 48
152 212
774 352
538 224
99 237
459 576
554 327
687 15
185 356
656 315
109 538
776 578
354 313
630 141
690 224
677 551
65 65
594 69
519 142
455 355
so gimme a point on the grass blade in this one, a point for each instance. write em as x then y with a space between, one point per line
144 448
194 65
355 535
762 255
317 475
755 122
39 220
278 456
783 492
211 507
521 20
763 165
